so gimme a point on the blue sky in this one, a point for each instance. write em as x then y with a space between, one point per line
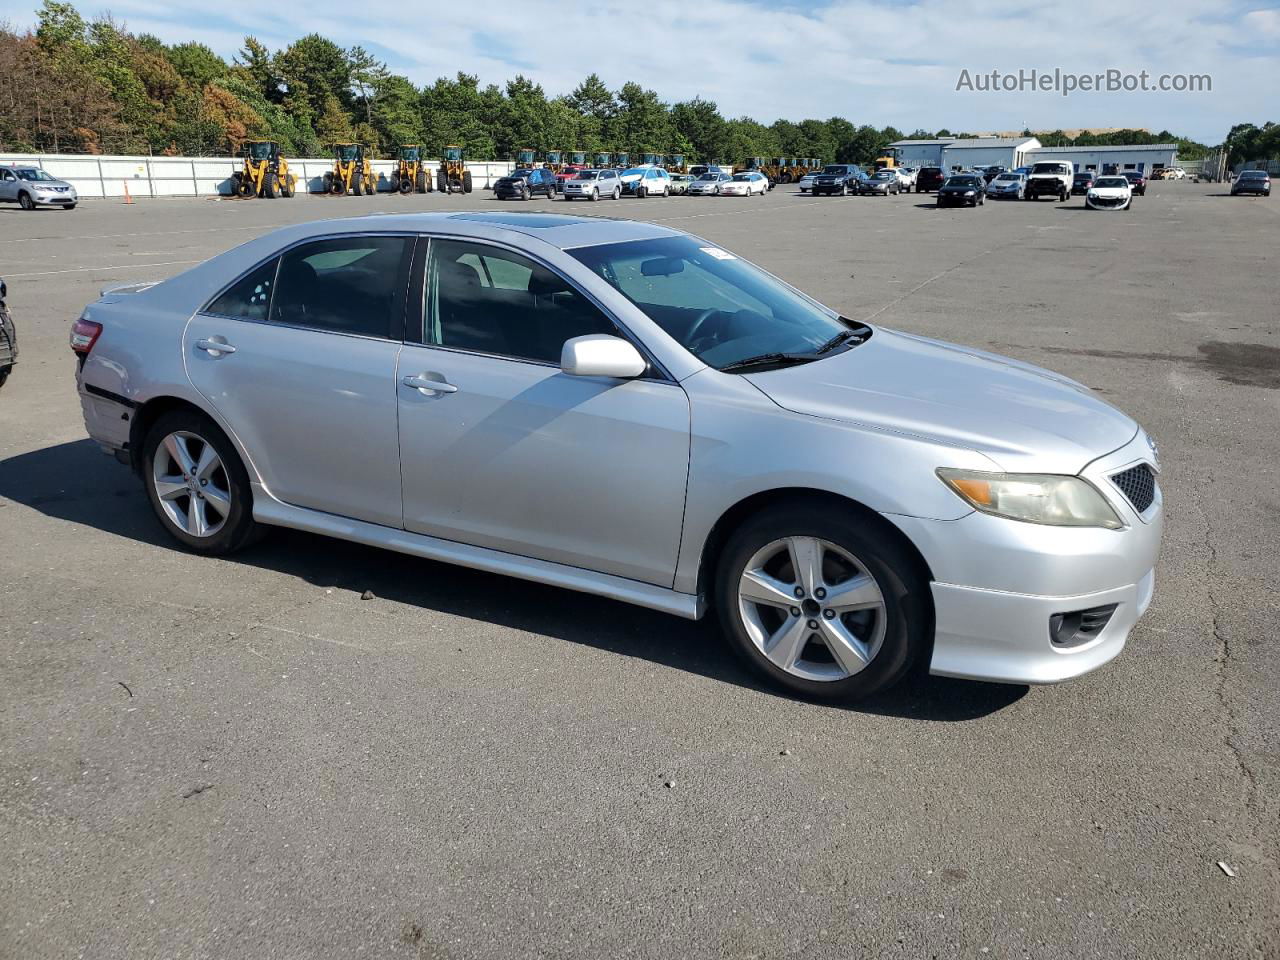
873 62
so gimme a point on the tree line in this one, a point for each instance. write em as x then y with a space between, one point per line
93 87
1248 143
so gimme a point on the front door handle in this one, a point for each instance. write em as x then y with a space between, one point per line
215 348
433 386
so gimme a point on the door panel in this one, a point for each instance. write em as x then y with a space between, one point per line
525 459
316 411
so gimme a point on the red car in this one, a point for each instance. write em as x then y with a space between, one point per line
568 173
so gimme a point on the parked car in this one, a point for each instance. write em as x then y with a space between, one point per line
1007 186
963 189
592 185
31 187
806 182
993 171
646 182
708 184
929 179
907 177
588 404
523 184
745 184
698 169
1081 182
1137 181
881 183
8 337
1257 182
1174 173
680 182
837 178
1050 178
1112 192
567 173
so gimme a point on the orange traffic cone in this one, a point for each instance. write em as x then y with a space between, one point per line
127 198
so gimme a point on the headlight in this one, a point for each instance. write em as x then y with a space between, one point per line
1058 501
970 193
1091 195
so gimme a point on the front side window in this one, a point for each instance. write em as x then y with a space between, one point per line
249 298
489 300
344 285
721 309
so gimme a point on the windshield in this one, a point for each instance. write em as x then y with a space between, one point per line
260 151
1111 182
410 154
884 175
1049 168
1008 178
635 172
33 175
743 176
961 182
586 175
347 152
710 176
831 169
519 174
721 309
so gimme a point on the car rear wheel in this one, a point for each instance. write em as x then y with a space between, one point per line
25 201
197 485
822 602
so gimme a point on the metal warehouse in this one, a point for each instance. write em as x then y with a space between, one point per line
1143 159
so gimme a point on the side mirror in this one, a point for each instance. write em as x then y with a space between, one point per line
600 355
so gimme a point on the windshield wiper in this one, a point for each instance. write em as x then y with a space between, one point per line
769 360
858 333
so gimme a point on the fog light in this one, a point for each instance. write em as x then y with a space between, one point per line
1080 626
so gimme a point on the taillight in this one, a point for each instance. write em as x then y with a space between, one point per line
84 335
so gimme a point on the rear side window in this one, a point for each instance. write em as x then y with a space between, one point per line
352 285
489 300
249 298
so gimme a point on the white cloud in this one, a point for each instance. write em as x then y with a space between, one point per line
873 62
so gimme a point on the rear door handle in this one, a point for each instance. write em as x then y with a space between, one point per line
215 347
425 385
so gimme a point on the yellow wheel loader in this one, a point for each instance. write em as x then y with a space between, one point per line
411 173
352 173
265 172
676 164
453 173
526 159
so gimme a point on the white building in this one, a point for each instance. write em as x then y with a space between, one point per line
1141 158
951 153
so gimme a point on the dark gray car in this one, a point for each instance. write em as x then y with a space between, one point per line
8 338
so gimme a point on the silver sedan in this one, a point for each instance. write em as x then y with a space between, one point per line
623 409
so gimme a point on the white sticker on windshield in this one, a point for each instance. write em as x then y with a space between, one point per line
718 253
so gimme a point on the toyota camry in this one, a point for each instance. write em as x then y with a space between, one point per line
623 409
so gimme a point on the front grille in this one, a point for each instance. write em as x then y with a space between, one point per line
1138 484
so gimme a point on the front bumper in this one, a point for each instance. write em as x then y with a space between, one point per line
997 583
1106 203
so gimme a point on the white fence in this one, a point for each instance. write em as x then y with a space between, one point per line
107 176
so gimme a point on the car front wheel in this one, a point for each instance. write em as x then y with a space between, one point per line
823 602
197 485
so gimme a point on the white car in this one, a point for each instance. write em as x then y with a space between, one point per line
646 181
1109 193
745 184
708 185
806 182
906 177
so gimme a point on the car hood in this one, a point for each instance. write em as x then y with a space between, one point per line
48 184
1109 191
1024 418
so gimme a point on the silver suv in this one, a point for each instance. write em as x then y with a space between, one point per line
31 187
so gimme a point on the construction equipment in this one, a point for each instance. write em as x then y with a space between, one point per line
888 162
525 159
577 158
622 160
604 160
653 160
411 173
554 161
352 173
453 174
265 172
675 163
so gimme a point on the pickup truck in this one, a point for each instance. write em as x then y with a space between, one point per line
1050 178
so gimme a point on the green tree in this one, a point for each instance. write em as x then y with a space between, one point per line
315 69
197 64
334 125
699 122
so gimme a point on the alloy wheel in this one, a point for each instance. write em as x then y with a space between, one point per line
812 608
191 484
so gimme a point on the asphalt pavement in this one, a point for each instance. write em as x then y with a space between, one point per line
241 757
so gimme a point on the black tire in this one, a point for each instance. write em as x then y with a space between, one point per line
328 181
908 609
25 201
70 206
466 182
595 194
4 373
339 187
355 185
245 188
239 528
286 187
269 184
442 181
403 185
421 183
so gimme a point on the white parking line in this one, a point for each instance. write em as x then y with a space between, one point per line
120 266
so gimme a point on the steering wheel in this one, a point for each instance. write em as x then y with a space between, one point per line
699 322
